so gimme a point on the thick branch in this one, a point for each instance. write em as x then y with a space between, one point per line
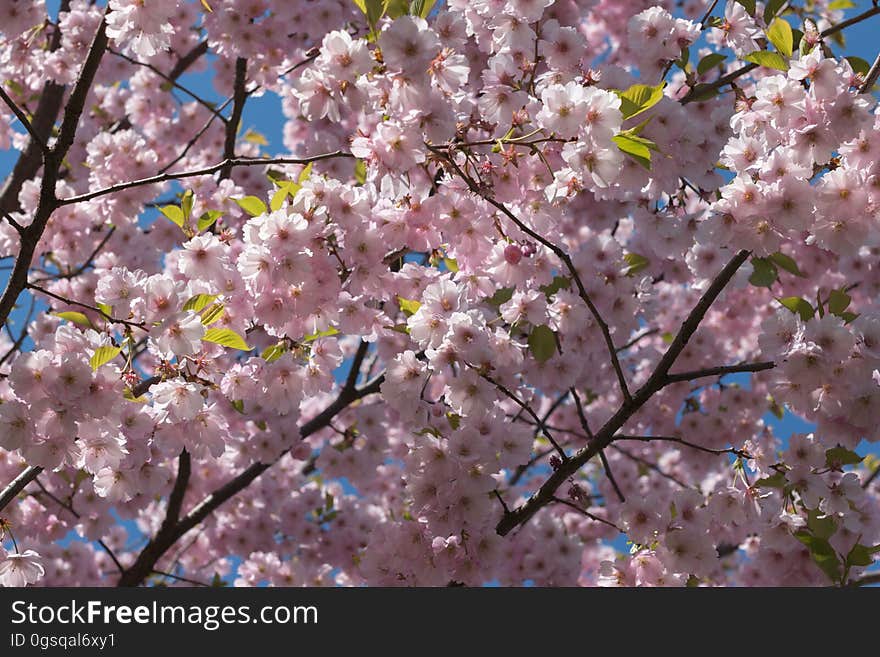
239 97
30 237
17 485
164 539
605 435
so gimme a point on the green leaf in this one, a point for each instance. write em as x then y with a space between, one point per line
278 199
104 308
859 65
501 296
396 8
636 263
772 9
799 306
421 7
749 6
836 457
822 526
764 274
859 555
199 301
408 306
103 355
174 213
451 264
558 283
252 205
785 262
841 4
373 10
454 420
227 338
254 137
838 302
321 334
635 148
360 172
767 60
639 98
542 343
274 352
186 204
75 317
212 314
781 36
773 481
709 62
208 219
238 405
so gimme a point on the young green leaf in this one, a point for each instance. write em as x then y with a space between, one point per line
186 204
252 205
639 98
709 62
274 352
749 6
764 274
767 60
75 317
174 213
542 343
103 355
227 338
837 457
787 263
199 301
212 314
408 306
772 9
781 36
208 219
838 302
799 306
635 263
635 148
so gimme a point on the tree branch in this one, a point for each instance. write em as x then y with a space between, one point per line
655 382
206 171
718 371
159 544
22 117
18 484
239 97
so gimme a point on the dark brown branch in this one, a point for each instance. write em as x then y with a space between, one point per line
871 77
607 467
584 512
23 119
18 484
188 60
239 97
206 171
675 439
159 544
560 253
71 302
650 465
170 80
718 371
528 409
47 203
655 382
702 89
638 338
